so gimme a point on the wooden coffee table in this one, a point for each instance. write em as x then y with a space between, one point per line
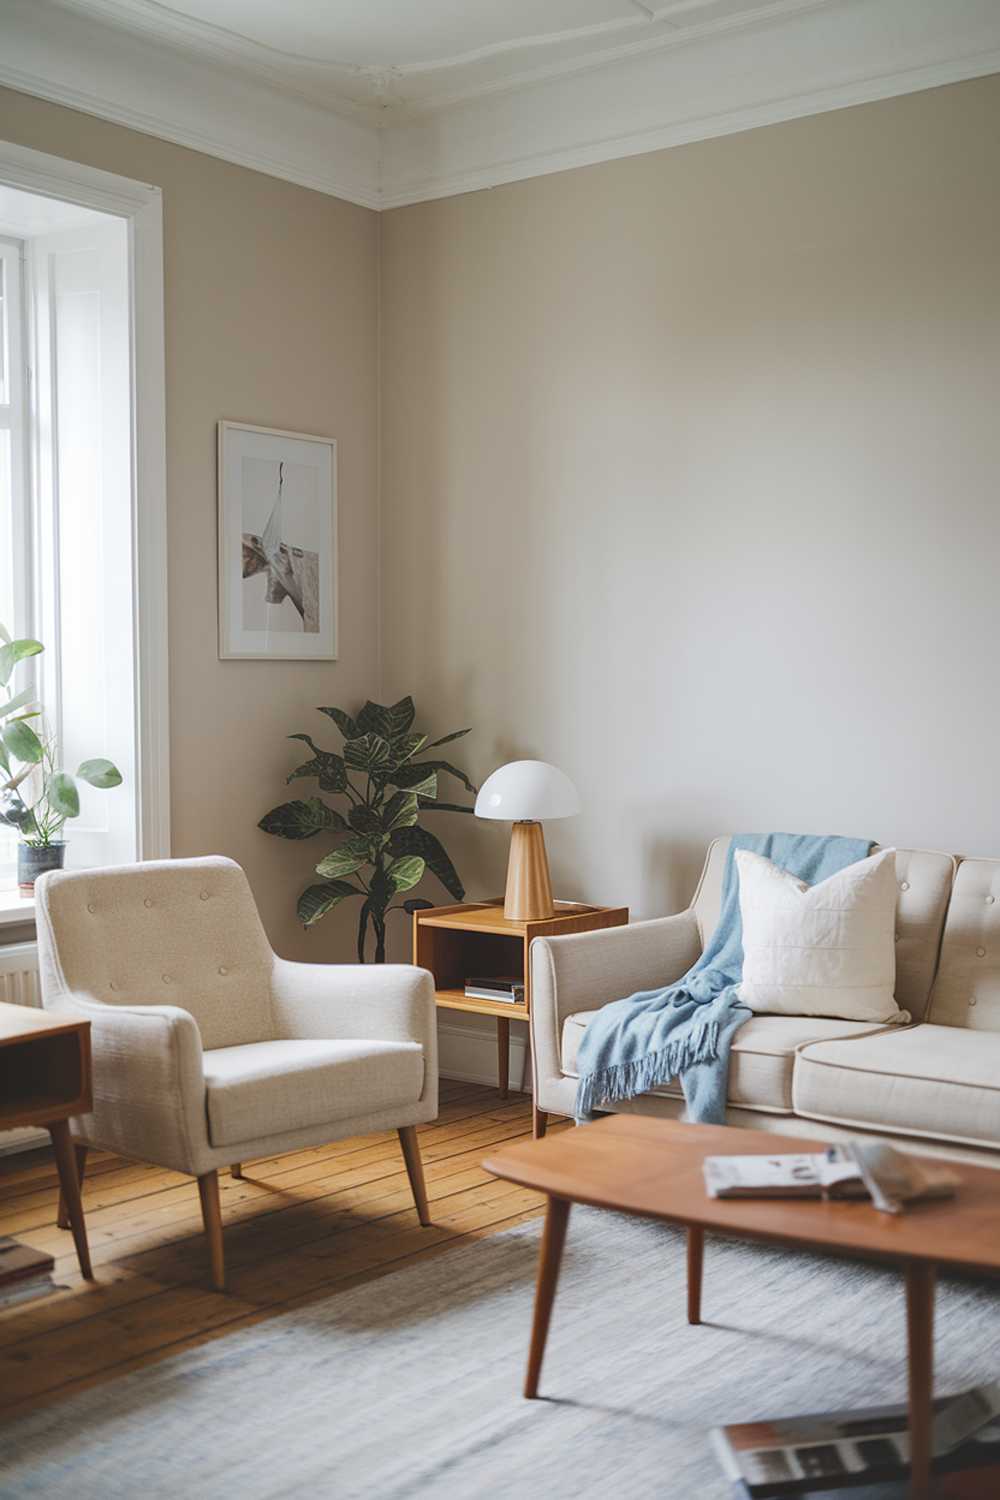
653 1168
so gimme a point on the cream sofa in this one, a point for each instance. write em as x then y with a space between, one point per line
933 1085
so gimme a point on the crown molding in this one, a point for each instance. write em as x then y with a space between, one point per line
780 60
733 80
67 58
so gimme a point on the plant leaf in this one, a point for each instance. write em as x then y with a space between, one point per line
416 778
419 841
445 806
369 752
364 819
417 903
406 872
21 741
14 651
449 769
25 696
62 795
400 811
389 723
347 726
350 856
406 746
329 769
299 820
15 813
4 633
317 900
100 773
447 739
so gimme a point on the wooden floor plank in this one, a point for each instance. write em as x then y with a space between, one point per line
297 1227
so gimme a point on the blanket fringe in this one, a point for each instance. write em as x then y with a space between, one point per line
627 1080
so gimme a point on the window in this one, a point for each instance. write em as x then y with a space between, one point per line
66 523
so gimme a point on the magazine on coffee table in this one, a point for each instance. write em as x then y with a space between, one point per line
858 1169
865 1451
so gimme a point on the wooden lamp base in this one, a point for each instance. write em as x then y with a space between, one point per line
528 897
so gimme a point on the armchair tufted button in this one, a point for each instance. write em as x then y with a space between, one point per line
223 969
990 900
204 895
904 885
166 979
91 907
147 902
972 999
112 985
980 952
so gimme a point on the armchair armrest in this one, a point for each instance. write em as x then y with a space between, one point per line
149 1087
585 970
357 1002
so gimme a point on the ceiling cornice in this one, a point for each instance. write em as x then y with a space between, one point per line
783 60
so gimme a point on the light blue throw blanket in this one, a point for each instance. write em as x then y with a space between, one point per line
686 1029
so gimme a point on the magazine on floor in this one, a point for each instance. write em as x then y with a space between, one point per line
866 1452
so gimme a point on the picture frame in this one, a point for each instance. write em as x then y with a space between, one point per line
278 573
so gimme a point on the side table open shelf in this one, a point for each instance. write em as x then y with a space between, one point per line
475 939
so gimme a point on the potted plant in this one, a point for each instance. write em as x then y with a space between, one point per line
36 796
381 849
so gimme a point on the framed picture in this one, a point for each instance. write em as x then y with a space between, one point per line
277 544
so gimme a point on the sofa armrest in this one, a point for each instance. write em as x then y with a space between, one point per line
362 1002
149 1086
585 970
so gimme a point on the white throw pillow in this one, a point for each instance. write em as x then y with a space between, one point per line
821 950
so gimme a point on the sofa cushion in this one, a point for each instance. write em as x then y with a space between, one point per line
760 1068
924 880
967 987
926 1080
819 950
271 1088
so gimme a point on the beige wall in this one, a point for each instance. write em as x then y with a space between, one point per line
271 316
690 485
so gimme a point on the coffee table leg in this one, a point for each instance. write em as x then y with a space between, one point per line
553 1239
695 1258
920 1338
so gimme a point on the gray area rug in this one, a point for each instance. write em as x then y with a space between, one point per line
410 1386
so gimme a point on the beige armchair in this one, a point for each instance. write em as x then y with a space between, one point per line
210 1050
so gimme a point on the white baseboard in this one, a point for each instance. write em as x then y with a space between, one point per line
468 1054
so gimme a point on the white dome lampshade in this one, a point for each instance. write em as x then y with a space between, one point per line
523 792
527 789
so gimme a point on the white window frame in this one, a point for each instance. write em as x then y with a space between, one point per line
140 205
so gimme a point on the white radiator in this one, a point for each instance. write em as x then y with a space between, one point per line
19 986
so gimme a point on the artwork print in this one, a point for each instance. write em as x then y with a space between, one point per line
277 530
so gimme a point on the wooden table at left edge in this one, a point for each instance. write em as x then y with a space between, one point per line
45 1079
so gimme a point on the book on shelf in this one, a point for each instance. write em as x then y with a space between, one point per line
507 988
24 1272
857 1169
865 1454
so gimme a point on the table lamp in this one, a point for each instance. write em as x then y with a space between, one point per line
523 792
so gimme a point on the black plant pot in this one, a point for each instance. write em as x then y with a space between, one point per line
32 862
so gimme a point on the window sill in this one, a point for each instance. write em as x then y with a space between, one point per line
15 907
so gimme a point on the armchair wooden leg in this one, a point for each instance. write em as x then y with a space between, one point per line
415 1170
539 1121
236 1169
62 1213
211 1213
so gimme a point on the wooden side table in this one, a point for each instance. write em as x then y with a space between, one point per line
475 940
44 1079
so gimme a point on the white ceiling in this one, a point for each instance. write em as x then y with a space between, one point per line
390 59
387 102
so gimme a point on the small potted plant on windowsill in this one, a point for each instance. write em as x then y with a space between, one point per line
36 797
